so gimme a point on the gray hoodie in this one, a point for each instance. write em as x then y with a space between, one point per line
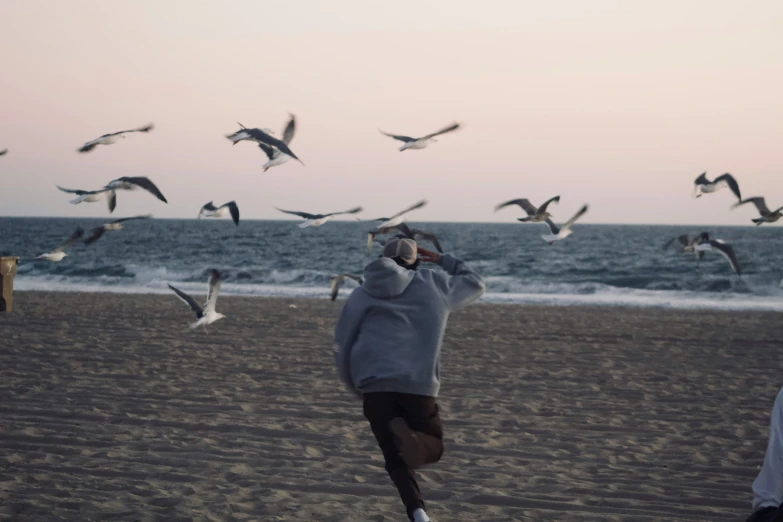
391 328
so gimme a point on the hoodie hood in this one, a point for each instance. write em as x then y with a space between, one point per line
383 278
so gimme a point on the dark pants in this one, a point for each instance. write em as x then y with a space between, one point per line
421 414
770 514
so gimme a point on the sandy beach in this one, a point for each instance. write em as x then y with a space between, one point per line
112 409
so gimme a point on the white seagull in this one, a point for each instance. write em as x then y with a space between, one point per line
117 224
704 186
767 215
316 220
420 143
211 211
58 253
398 218
262 136
91 196
562 232
108 139
205 315
689 243
274 155
337 280
534 214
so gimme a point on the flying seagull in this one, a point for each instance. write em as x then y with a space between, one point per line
404 232
689 243
117 224
767 216
562 232
136 182
398 218
316 220
211 211
704 186
261 136
705 245
533 214
205 315
274 155
108 139
58 253
420 143
91 196
338 280
3 152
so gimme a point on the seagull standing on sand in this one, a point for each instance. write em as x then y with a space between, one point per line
420 143
205 315
117 224
562 232
337 280
108 139
535 215
261 136
211 211
704 186
767 215
274 155
316 220
91 196
58 253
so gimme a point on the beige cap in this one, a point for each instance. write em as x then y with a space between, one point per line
405 249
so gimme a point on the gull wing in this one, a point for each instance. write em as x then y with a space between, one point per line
234 210
546 203
145 128
3 152
573 219
111 200
761 205
444 130
731 182
74 191
418 205
702 179
683 240
728 253
554 229
262 137
334 286
214 289
355 210
122 220
268 150
209 207
87 147
406 139
75 237
95 235
304 215
428 236
142 182
525 203
290 129
188 301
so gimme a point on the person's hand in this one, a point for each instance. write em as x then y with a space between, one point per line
428 256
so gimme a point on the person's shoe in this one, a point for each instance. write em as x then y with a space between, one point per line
420 516
410 450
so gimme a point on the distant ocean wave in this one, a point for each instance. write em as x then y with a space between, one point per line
599 265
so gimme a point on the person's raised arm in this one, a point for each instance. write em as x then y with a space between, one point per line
463 287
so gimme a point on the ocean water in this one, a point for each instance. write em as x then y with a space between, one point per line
598 264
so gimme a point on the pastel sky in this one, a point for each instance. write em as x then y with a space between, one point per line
615 103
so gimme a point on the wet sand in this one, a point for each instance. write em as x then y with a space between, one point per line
112 409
